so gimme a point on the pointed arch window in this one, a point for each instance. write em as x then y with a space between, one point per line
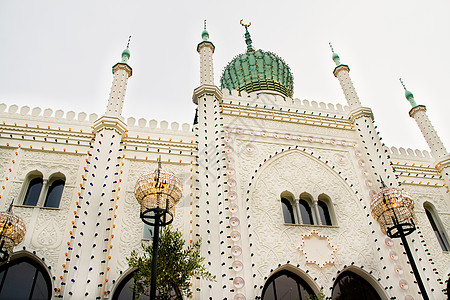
324 213
287 286
305 212
54 193
33 191
436 224
288 212
24 278
350 286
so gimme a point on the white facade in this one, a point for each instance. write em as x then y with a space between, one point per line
246 153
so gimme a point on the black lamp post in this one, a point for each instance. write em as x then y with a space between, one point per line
157 193
393 208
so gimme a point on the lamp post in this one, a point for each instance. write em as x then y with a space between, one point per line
157 193
12 232
393 208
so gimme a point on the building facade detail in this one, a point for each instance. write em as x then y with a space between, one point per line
276 188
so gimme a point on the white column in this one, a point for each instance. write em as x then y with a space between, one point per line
121 73
206 50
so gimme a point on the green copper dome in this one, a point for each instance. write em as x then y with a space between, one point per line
257 70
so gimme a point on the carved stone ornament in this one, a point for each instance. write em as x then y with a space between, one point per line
318 248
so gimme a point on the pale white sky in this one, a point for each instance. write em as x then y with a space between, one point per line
59 54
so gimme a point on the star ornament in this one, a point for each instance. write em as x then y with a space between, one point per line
318 249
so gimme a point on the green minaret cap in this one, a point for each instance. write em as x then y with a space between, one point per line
205 34
408 95
126 53
335 56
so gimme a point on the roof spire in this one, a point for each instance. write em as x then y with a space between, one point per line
409 96
126 53
205 34
248 39
335 57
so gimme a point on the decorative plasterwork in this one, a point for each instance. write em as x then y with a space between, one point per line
318 248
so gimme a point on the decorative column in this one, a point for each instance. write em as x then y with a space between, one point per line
438 151
211 223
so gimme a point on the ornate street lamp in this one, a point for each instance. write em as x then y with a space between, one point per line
393 208
12 232
157 193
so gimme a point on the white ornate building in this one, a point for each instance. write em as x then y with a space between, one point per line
278 189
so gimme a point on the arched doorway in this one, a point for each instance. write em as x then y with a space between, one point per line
350 286
287 286
24 278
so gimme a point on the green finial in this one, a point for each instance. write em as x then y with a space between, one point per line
126 53
409 96
205 34
248 39
336 58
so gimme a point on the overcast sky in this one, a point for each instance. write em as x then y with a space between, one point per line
59 54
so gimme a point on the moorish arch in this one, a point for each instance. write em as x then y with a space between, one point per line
289 283
298 172
25 276
354 283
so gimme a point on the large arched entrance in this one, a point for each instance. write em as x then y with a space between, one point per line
350 286
287 286
24 278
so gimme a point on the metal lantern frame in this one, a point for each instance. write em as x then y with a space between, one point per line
12 232
157 193
393 208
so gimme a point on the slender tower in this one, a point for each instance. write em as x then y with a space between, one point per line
122 71
87 269
362 118
438 151
210 225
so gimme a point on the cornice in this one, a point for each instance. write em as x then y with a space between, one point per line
416 109
122 66
108 122
359 113
340 68
206 89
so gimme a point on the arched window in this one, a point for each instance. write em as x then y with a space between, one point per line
24 278
324 213
54 193
349 286
305 212
125 291
287 286
33 191
147 234
436 224
288 212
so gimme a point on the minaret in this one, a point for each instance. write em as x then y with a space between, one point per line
88 256
362 118
206 50
419 113
122 71
211 220
438 151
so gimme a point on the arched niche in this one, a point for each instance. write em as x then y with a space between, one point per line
356 284
289 283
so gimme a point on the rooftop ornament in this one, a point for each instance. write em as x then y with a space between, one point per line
393 208
157 193
12 232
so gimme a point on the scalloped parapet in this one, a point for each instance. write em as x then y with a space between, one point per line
278 101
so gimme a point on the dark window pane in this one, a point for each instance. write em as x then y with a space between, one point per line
305 211
125 291
33 192
349 286
324 213
40 288
148 232
54 193
288 213
286 285
439 234
23 278
287 288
